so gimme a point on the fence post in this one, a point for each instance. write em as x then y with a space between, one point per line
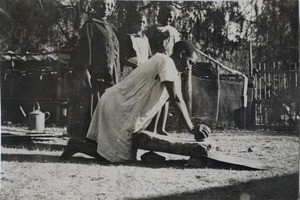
265 115
251 88
250 60
218 92
58 93
187 90
259 94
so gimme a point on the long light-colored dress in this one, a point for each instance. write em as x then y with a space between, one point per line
129 107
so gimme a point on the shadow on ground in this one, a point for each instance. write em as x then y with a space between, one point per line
35 158
42 158
276 188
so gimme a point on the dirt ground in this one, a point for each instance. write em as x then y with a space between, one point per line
31 169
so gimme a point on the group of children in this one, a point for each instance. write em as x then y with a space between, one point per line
111 108
107 56
142 42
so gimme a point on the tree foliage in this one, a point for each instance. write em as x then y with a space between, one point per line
221 29
277 29
37 25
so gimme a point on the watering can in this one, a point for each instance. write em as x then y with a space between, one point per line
36 119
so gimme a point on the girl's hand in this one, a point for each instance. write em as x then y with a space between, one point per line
162 29
201 132
86 78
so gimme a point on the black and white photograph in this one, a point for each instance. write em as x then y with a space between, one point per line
150 100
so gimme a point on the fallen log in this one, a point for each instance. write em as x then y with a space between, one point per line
188 147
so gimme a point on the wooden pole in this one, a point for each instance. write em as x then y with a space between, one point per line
259 95
250 60
218 92
190 90
250 90
265 117
58 93
255 97
187 90
296 75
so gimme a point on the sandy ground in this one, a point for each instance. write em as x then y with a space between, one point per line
33 170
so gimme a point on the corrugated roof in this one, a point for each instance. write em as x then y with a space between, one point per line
60 57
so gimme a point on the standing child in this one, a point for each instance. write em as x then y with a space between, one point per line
98 68
135 48
162 36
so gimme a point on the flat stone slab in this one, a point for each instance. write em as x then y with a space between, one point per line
201 153
237 161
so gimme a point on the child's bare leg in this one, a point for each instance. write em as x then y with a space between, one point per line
161 124
156 121
158 124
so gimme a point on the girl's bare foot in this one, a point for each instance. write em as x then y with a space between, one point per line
163 133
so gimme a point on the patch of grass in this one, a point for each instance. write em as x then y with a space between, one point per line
33 172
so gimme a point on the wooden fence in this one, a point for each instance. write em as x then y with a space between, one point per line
276 95
25 81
